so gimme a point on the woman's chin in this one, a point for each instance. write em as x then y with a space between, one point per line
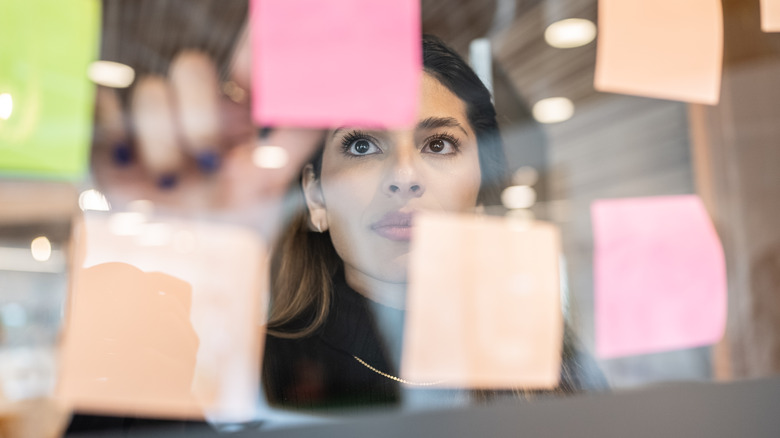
393 270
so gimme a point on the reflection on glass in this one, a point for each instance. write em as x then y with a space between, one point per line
93 200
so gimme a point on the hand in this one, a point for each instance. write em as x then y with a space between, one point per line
191 146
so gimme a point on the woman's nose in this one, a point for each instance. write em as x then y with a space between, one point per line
404 180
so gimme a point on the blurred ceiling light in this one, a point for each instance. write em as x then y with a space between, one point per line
270 157
553 110
41 249
127 223
572 32
514 197
6 106
93 200
111 74
525 176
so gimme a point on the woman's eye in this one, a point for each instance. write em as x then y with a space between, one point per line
440 146
363 147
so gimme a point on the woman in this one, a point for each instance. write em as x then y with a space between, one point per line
339 272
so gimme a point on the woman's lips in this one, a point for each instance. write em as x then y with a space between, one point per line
394 226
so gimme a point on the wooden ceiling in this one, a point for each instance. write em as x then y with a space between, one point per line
146 33
535 69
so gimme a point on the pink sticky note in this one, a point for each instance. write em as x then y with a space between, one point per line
770 15
660 276
334 63
665 49
163 318
483 305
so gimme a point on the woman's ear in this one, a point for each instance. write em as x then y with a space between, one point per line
312 191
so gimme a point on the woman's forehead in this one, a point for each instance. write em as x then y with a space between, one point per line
438 107
438 101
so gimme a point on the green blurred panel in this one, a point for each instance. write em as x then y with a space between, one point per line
45 49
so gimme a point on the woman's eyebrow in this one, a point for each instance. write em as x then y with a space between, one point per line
440 122
336 131
344 128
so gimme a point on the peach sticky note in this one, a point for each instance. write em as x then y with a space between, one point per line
334 63
660 275
483 305
163 318
770 15
665 49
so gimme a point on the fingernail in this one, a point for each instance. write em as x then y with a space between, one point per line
122 153
208 161
167 181
264 132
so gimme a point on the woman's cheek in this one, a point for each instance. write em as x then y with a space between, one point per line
459 192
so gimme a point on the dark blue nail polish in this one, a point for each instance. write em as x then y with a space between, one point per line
122 153
264 132
208 161
167 181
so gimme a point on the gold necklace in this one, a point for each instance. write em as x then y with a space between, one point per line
397 379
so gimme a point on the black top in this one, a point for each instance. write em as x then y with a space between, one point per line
321 370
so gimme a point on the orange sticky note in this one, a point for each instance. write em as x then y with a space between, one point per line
163 318
770 15
660 275
483 305
337 62
664 49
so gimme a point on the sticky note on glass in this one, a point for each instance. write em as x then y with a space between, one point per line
163 318
335 63
483 305
664 49
46 100
660 276
770 15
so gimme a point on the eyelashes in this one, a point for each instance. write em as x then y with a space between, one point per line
438 143
359 143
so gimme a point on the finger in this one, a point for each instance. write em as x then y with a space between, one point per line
241 70
151 109
196 88
110 129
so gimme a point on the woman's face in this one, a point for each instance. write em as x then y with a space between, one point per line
373 182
